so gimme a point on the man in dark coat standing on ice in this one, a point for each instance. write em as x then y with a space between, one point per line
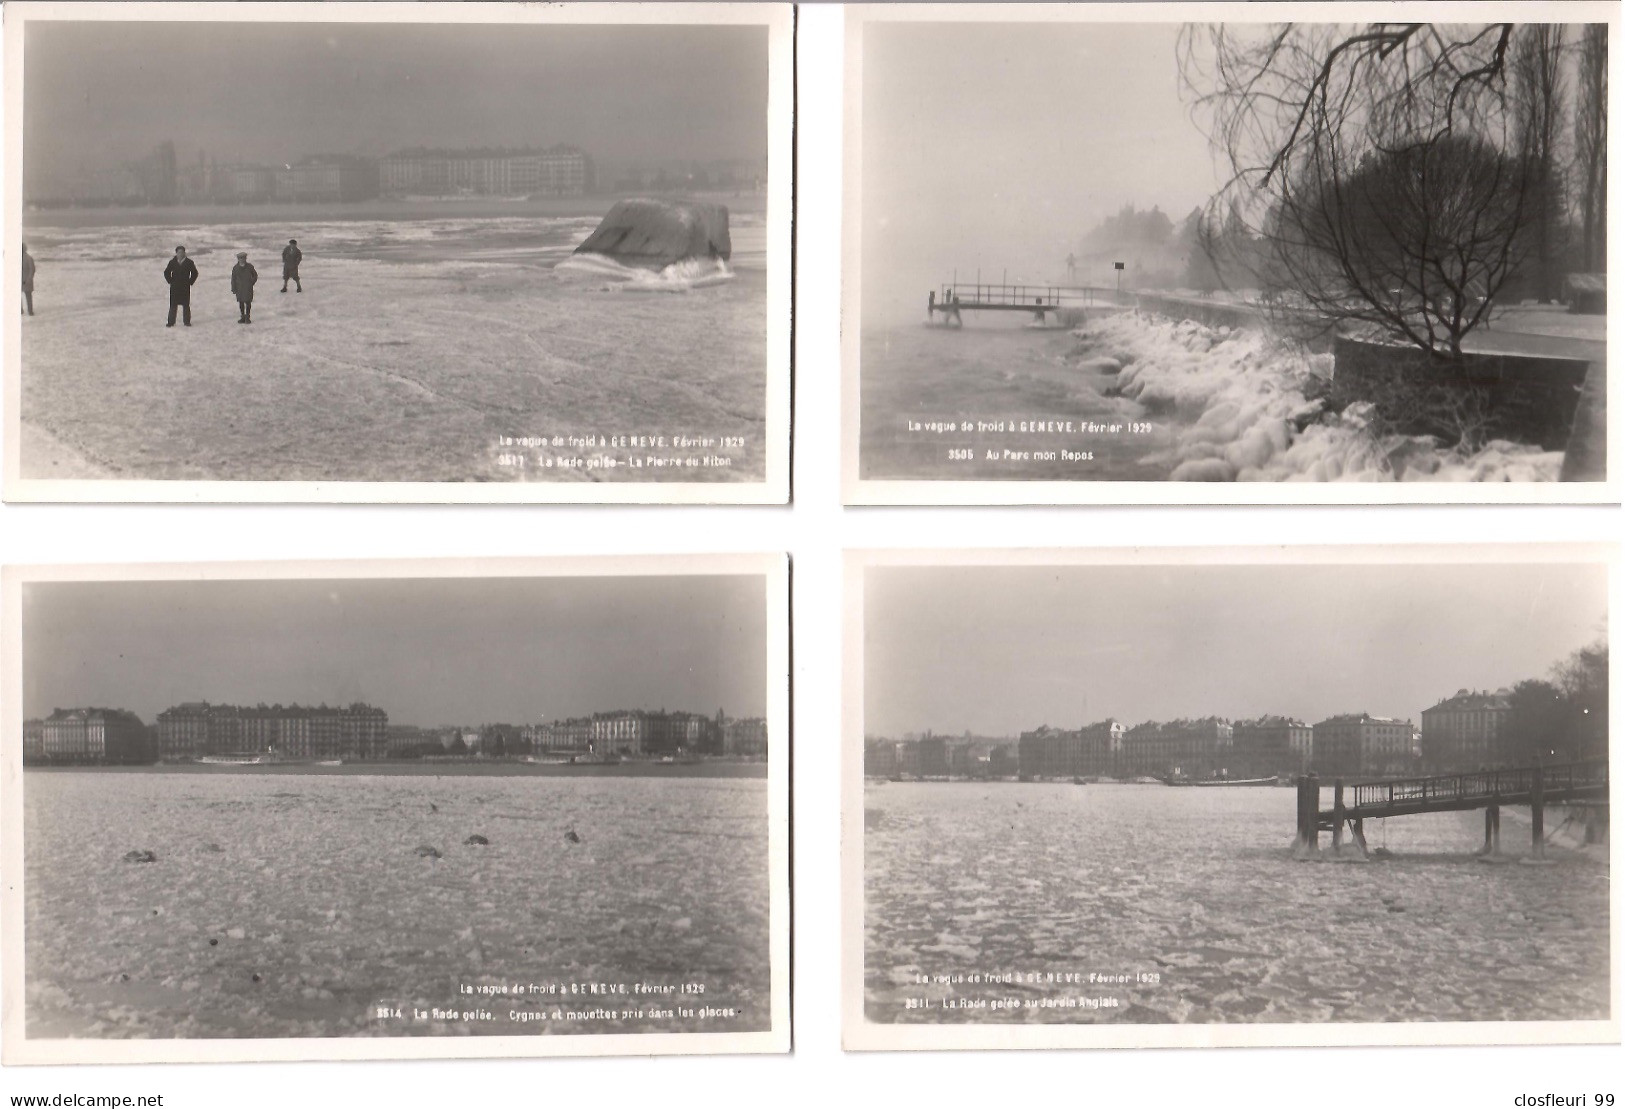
28 281
243 276
290 266
181 274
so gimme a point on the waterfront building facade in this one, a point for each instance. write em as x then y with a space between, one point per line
1273 745
561 170
1463 732
635 732
1361 745
933 757
1095 750
880 758
1183 748
94 735
198 729
33 740
566 737
327 180
746 737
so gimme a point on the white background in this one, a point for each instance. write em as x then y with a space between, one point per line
814 529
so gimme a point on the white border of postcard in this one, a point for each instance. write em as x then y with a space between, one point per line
18 1049
858 1033
774 488
856 490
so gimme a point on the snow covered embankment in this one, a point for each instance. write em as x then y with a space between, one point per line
1239 412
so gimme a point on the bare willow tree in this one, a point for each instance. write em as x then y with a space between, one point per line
1375 166
1591 146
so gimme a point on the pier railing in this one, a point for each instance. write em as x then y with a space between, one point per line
1449 791
953 297
1534 786
1001 295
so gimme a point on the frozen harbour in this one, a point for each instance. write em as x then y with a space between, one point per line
295 905
1196 890
417 346
1192 403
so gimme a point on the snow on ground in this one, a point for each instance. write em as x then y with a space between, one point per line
1237 398
295 905
1198 888
414 347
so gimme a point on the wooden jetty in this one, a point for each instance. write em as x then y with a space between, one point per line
1534 786
954 297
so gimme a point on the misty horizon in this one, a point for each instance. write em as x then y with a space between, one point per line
429 652
265 94
999 146
998 651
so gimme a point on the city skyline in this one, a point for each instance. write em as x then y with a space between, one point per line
93 102
430 652
998 651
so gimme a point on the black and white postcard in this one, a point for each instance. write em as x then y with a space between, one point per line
1164 253
396 809
1221 797
399 252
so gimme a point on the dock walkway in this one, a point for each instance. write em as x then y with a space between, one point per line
1534 786
954 297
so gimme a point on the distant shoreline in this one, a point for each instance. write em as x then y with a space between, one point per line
708 769
593 205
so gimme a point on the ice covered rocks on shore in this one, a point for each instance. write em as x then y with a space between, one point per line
140 857
476 841
427 852
1242 407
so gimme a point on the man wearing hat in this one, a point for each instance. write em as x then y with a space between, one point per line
181 273
290 266
243 277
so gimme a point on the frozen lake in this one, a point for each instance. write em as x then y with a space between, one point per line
289 905
1196 890
415 346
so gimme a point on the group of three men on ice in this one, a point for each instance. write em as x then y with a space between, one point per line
181 273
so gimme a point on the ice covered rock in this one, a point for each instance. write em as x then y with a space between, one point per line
1101 364
427 852
1204 469
140 857
654 234
476 841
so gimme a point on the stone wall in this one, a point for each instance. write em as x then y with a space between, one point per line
1211 313
1531 399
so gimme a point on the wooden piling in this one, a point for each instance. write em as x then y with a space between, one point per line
1307 844
1492 831
1537 813
1338 817
1357 833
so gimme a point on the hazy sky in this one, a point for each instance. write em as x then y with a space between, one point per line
97 94
427 651
999 144
1001 650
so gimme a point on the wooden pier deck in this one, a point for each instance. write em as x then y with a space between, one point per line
954 297
1534 786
